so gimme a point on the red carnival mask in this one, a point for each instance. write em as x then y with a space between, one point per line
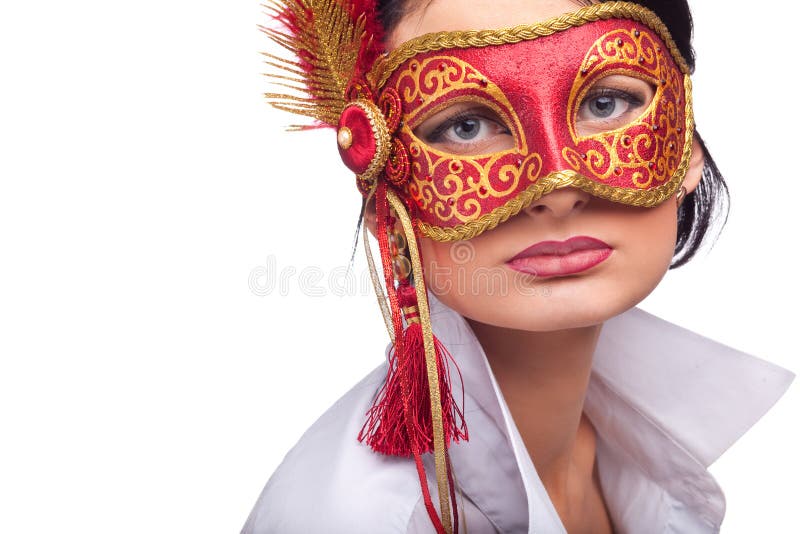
536 86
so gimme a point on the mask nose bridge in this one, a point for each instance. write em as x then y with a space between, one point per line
553 131
544 120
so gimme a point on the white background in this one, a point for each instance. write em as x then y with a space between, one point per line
145 388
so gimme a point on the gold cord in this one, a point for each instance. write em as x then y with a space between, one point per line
439 457
373 272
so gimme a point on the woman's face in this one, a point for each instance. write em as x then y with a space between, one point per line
545 289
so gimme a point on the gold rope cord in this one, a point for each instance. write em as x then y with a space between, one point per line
556 180
439 458
383 67
375 278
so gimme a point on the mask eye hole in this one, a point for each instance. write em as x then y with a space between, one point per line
612 103
466 129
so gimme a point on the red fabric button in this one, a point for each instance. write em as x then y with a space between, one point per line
363 147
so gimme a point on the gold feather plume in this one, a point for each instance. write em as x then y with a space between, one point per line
324 39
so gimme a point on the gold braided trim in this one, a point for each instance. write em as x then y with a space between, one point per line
383 67
556 180
439 457
383 141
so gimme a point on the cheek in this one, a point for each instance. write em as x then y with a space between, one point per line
650 240
462 274
435 263
644 245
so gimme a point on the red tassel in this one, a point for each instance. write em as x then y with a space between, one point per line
396 409
386 429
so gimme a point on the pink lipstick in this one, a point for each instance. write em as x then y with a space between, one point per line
560 258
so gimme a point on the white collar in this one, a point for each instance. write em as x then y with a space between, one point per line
665 402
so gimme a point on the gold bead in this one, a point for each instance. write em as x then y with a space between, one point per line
401 267
400 241
344 137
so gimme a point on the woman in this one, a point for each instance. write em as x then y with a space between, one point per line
542 175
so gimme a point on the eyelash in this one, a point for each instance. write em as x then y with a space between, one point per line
438 132
630 98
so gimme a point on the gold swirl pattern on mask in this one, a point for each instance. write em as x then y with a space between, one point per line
462 186
453 187
644 198
647 151
429 85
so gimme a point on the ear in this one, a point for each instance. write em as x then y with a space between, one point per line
371 217
695 171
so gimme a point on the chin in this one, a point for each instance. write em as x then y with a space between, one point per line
559 303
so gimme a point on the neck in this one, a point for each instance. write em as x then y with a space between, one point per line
544 377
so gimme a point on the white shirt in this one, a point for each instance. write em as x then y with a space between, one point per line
664 401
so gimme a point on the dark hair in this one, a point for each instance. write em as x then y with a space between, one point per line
711 198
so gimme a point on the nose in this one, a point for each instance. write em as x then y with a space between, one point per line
559 203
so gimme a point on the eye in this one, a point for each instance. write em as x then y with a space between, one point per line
605 106
612 103
466 129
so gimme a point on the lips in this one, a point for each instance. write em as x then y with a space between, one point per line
560 258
